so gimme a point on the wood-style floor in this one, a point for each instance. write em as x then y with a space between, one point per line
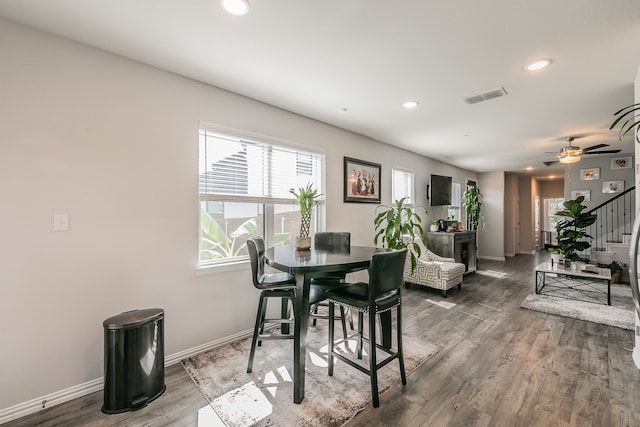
500 365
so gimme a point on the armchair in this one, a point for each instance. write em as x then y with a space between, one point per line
433 270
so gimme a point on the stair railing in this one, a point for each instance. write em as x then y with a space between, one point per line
614 219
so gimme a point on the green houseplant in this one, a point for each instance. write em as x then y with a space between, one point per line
630 124
396 227
472 204
571 229
308 198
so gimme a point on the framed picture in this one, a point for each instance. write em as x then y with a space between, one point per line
361 181
589 174
621 162
577 193
612 186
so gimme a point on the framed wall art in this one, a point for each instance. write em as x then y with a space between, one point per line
612 186
577 193
361 181
621 162
589 174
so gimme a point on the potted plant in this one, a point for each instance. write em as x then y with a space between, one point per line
628 114
472 203
571 230
308 198
434 226
396 226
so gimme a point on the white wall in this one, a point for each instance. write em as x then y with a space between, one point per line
491 237
114 144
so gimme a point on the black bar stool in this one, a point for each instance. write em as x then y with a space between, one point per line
382 293
278 285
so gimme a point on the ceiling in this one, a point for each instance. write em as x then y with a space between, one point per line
352 63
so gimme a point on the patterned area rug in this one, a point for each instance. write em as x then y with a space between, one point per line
619 314
265 396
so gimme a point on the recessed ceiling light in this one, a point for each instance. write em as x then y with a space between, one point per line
410 104
529 168
538 65
235 7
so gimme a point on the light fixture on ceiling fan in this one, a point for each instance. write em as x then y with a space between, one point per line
572 154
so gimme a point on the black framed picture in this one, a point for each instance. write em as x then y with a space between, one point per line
361 181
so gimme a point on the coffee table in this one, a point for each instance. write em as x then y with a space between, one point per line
573 283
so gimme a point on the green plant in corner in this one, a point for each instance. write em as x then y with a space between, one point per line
472 204
396 226
628 114
571 230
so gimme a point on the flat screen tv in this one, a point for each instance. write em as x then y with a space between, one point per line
440 190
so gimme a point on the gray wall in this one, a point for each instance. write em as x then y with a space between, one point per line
573 182
114 144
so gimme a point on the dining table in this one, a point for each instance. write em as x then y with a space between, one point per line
305 265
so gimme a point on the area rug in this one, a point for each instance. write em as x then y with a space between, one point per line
619 314
265 396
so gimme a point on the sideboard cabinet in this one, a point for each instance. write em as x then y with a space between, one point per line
460 245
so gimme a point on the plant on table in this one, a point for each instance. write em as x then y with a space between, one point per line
308 198
572 235
396 226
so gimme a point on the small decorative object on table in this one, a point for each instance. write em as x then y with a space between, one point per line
307 198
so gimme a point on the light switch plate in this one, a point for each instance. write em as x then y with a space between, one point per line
60 222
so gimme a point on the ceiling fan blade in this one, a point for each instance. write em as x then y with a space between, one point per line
552 162
603 152
595 147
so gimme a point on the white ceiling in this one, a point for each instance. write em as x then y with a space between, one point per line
317 57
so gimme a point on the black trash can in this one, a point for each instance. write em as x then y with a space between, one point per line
133 360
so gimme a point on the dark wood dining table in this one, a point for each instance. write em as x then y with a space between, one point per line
305 265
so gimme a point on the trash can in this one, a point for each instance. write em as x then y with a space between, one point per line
133 360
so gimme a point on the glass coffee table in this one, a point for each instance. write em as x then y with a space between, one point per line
574 283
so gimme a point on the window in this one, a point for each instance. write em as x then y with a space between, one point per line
402 185
453 212
551 206
244 188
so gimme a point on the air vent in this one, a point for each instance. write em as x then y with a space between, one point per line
486 96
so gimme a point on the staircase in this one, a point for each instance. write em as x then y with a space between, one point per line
611 232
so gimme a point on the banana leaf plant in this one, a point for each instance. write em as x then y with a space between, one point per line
216 244
628 114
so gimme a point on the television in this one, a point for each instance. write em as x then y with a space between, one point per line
440 190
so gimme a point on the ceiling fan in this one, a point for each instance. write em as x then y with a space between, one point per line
572 153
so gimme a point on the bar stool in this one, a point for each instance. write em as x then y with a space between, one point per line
382 293
278 285
329 241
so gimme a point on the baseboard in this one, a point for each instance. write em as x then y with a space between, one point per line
32 406
510 254
492 258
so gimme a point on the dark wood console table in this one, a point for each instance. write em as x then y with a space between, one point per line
459 245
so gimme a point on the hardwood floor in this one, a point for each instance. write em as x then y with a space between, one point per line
500 365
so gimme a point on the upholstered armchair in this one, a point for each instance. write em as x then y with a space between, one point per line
433 270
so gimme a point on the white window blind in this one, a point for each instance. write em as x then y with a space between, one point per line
237 169
402 185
